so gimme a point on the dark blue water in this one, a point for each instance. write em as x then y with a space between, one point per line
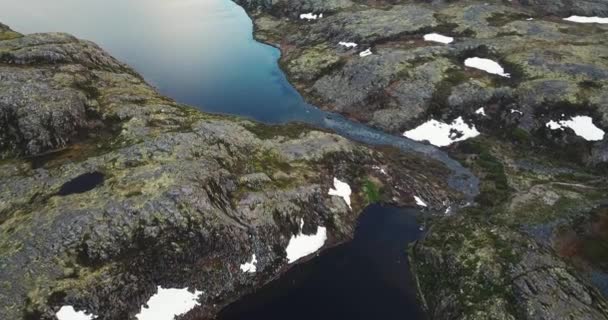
365 279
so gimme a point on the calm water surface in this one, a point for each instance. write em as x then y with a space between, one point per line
199 52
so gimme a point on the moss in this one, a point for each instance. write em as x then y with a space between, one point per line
494 183
372 191
8 34
520 135
266 132
499 19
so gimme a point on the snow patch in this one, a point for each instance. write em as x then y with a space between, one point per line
366 53
420 202
310 16
481 111
69 313
581 125
580 19
436 37
249 267
348 44
442 134
342 189
486 65
168 303
302 245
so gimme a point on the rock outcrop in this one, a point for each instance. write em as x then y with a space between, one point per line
108 189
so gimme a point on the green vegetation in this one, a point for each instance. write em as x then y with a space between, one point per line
371 190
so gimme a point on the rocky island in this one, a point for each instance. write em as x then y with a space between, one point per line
108 189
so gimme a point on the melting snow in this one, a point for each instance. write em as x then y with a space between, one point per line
302 245
366 53
311 16
348 44
582 125
419 201
69 313
342 189
486 65
442 134
481 111
581 19
436 37
249 267
168 303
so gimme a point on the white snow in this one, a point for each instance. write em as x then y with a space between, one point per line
419 201
302 245
168 303
342 189
554 125
311 16
347 44
481 111
486 65
581 19
366 53
249 267
69 313
436 37
442 134
582 125
517 111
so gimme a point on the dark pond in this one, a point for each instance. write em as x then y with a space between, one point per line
367 278
82 183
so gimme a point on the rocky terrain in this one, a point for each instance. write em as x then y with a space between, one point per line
108 189
535 238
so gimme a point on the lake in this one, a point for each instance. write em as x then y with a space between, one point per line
202 53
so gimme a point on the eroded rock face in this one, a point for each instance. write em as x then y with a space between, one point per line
108 189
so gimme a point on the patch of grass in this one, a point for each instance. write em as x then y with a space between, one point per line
500 19
372 191
267 132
